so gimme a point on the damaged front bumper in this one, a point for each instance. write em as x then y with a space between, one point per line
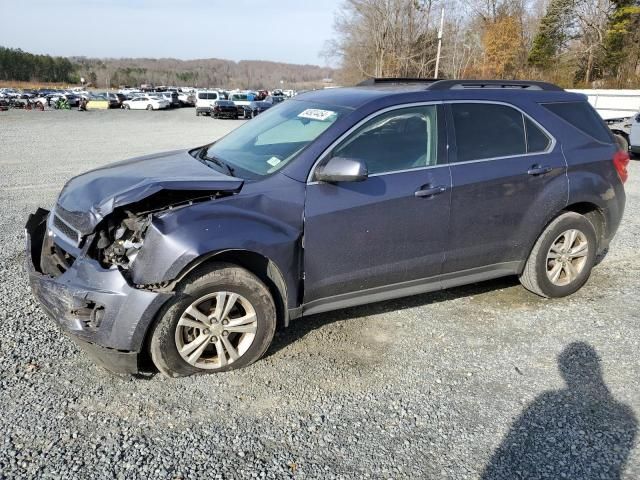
95 306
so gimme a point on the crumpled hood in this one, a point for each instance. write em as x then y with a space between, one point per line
86 199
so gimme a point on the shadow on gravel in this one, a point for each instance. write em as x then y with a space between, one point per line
580 432
301 327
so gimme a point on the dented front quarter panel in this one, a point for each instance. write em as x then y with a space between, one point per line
266 218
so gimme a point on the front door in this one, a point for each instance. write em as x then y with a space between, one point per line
390 228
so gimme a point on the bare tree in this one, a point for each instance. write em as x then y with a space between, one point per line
376 38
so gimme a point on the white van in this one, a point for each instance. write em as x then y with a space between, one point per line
205 100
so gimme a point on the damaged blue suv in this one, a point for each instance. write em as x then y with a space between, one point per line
335 198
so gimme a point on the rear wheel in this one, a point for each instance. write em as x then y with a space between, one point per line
149 107
623 141
222 318
562 258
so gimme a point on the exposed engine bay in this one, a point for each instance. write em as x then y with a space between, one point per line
119 243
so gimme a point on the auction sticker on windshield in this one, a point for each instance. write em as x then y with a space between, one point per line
316 114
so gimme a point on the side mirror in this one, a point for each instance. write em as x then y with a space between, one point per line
342 169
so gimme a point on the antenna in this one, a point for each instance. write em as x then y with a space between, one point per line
439 43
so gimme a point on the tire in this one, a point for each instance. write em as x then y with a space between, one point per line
622 141
149 107
127 107
540 269
201 290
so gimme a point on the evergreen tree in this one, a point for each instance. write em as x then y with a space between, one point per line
22 66
552 34
622 40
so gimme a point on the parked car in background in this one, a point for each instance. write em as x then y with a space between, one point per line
171 97
98 101
634 137
71 99
205 100
241 100
130 92
275 99
333 199
186 99
145 103
114 100
224 109
255 108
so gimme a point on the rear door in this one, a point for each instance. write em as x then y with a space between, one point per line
390 228
507 174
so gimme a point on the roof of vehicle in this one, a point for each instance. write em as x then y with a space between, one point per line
406 90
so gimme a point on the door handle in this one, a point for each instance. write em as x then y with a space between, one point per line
539 170
430 191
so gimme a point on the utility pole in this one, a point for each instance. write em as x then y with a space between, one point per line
439 43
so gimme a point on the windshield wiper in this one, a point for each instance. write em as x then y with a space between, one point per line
217 161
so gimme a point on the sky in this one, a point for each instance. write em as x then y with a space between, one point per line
292 31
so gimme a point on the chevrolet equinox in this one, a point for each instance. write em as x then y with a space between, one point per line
332 199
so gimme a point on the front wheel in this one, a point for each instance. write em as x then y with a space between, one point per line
222 318
149 107
562 258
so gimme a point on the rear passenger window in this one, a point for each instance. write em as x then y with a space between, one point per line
485 130
583 117
537 140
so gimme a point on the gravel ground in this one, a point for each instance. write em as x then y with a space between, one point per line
458 384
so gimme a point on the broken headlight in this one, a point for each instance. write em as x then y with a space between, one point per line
119 243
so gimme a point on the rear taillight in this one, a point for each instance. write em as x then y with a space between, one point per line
620 161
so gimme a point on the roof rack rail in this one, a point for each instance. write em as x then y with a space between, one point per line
394 80
505 84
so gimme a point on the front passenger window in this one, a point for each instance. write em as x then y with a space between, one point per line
401 139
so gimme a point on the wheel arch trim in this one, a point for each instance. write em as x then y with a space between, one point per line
263 267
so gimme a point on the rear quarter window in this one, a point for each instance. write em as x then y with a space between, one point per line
583 117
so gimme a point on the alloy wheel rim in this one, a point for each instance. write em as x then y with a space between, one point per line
567 257
216 330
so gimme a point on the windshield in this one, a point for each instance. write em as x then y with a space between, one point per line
271 140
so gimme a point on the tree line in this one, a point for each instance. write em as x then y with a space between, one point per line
591 43
16 65
23 66
210 72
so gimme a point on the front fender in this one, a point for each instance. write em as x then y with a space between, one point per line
260 224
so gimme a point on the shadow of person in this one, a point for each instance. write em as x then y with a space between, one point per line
580 432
